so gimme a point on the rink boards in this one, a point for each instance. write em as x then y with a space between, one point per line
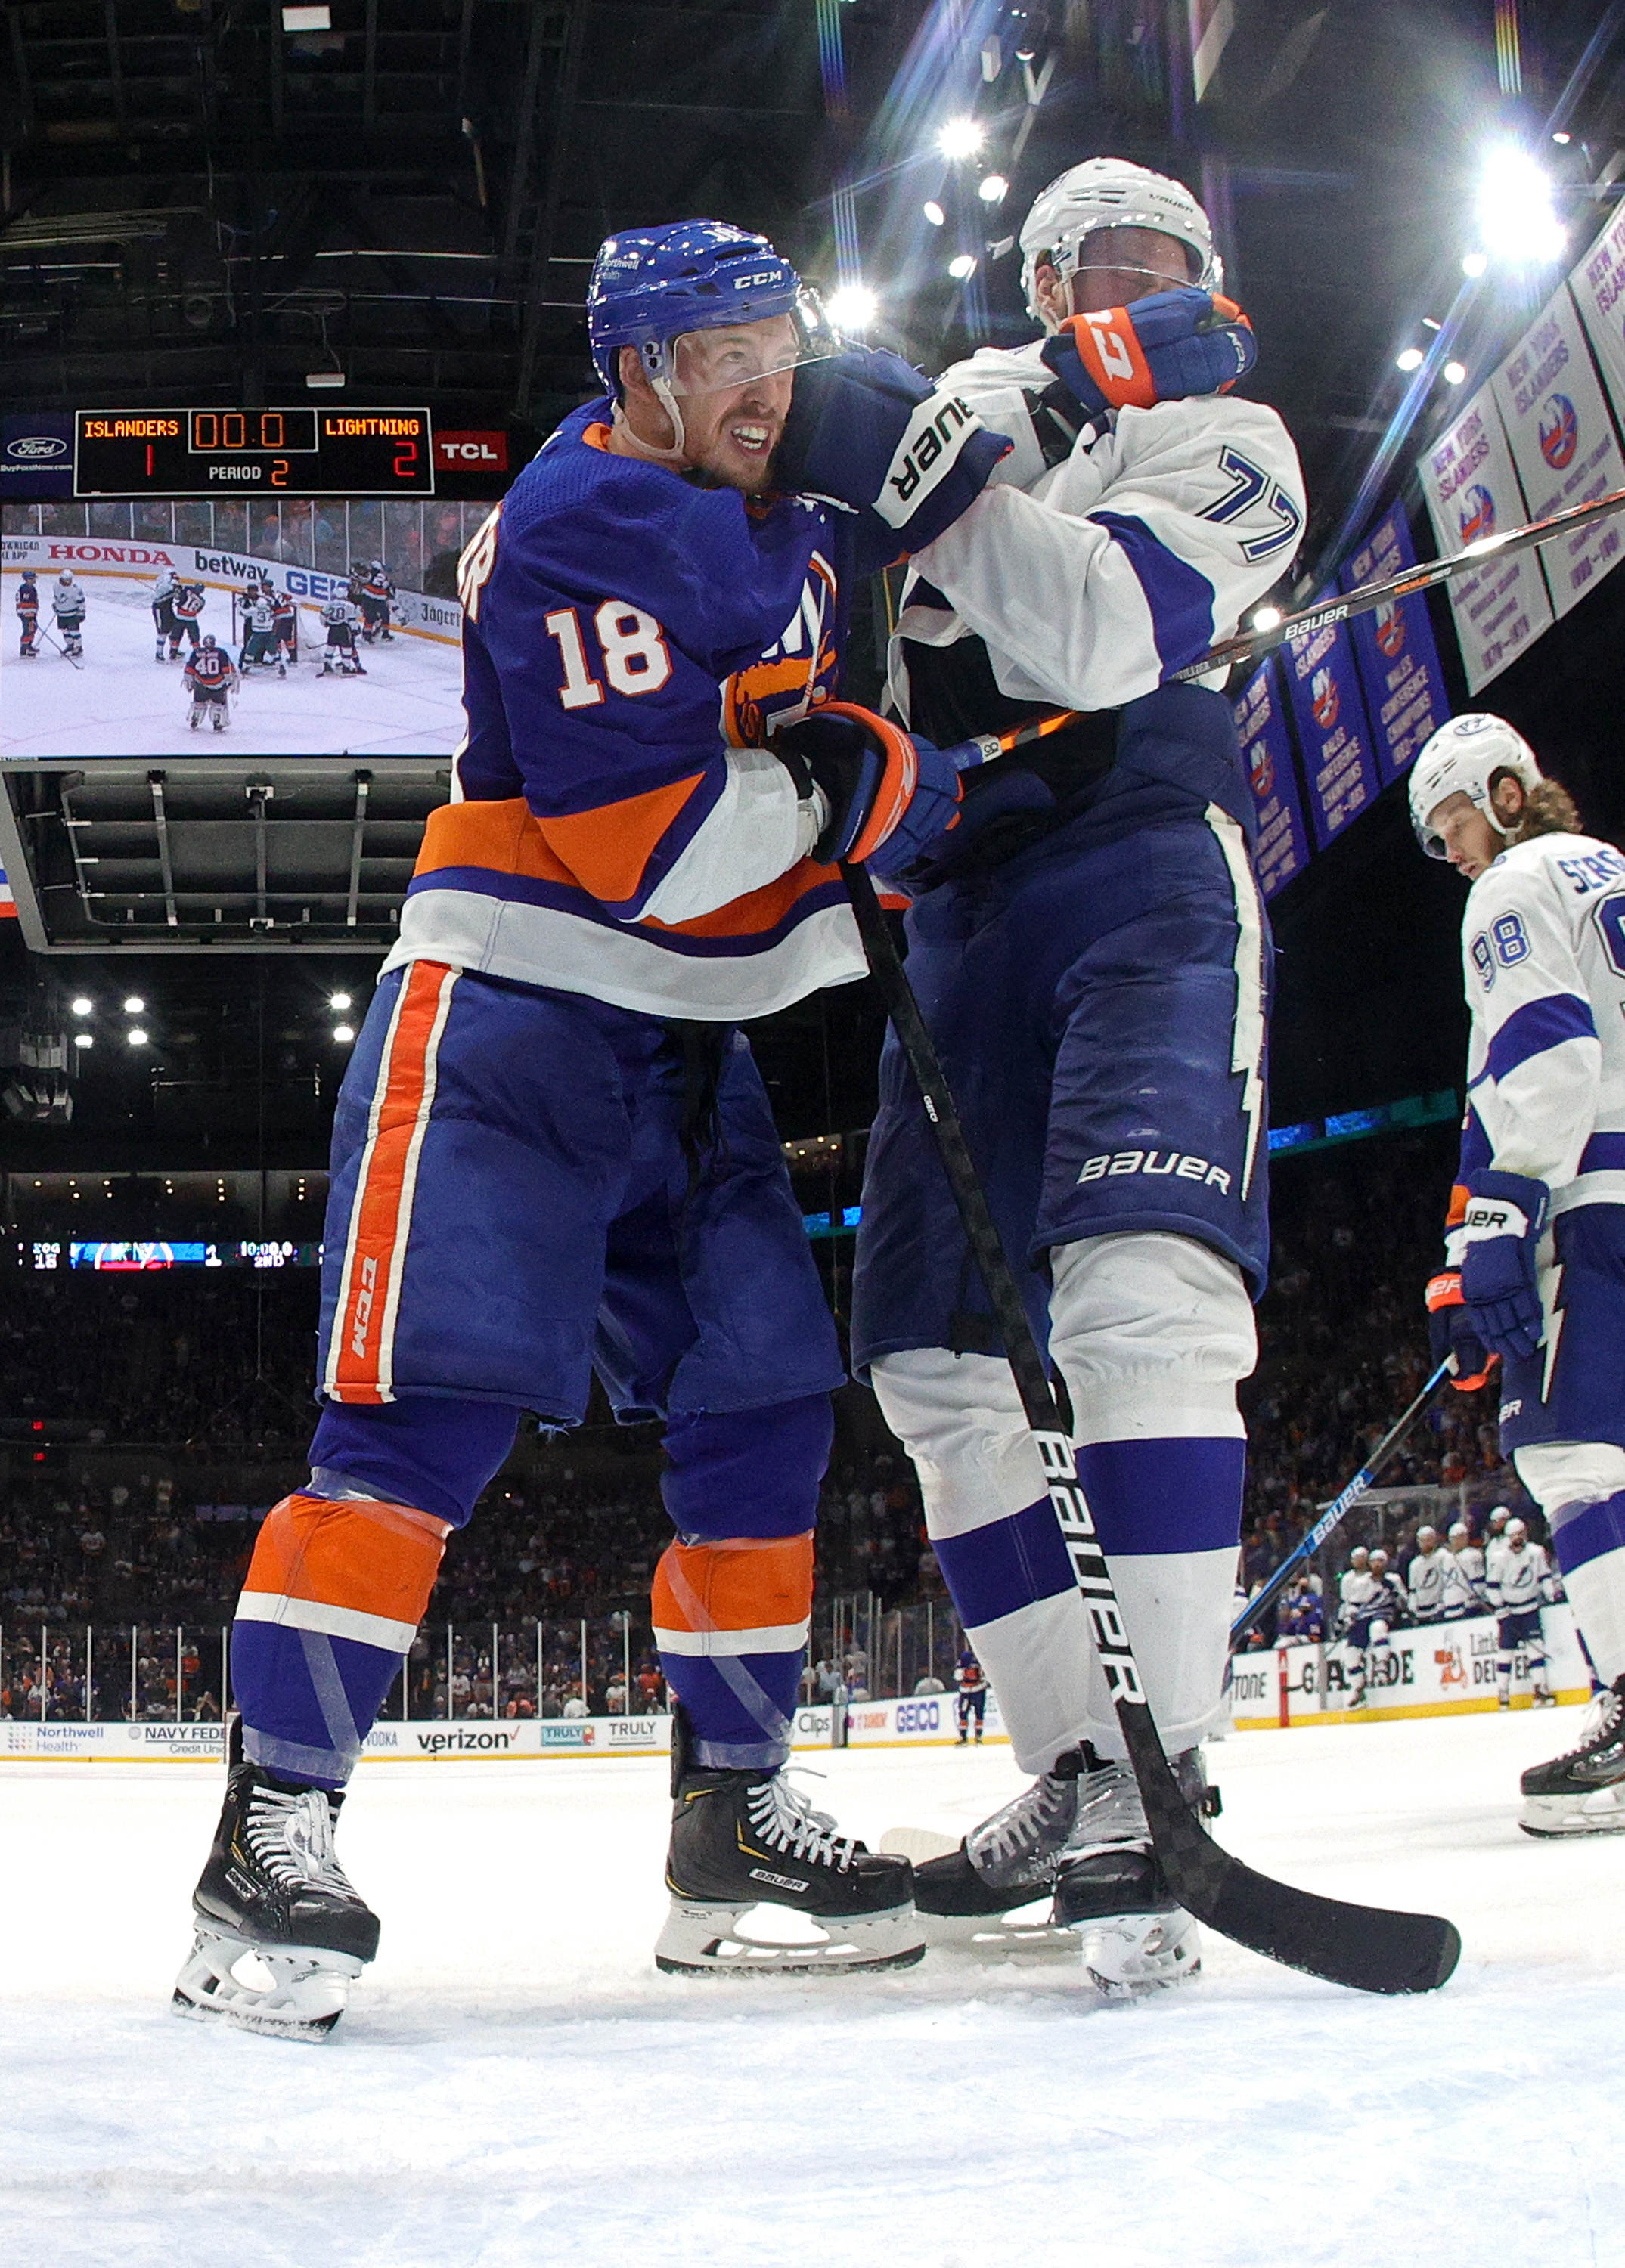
1434 1671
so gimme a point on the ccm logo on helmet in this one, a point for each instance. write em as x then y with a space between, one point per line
1157 1163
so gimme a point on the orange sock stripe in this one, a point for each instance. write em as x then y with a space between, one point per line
734 1586
361 1351
372 1559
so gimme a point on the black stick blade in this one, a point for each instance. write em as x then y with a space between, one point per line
1372 1948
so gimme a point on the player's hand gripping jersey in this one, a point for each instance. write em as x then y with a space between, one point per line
618 828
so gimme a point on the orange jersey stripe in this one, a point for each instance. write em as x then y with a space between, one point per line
727 1586
359 1358
608 850
376 1558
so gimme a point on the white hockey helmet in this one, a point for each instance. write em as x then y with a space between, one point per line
1378 1558
1359 1553
1517 1531
1458 1528
1460 759
1111 193
1426 1535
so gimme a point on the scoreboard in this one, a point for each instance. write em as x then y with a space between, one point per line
307 451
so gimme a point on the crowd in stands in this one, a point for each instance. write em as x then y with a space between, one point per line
153 1373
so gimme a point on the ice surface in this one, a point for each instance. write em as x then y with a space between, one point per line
124 704
514 2084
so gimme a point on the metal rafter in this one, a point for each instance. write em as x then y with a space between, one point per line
565 96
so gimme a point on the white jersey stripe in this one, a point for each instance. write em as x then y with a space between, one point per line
331 1622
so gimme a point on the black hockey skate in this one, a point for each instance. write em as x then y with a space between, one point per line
274 1895
743 1839
1583 1792
993 1893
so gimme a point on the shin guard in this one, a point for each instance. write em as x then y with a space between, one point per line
731 1620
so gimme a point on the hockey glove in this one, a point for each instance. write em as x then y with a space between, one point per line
882 787
1501 1228
1162 349
1452 1333
869 432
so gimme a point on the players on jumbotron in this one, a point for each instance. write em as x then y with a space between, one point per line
186 606
1092 957
68 606
375 597
339 616
28 616
165 632
209 678
553 1153
1535 1244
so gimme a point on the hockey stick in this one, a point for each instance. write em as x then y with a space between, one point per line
1366 1946
1340 1506
72 659
1252 645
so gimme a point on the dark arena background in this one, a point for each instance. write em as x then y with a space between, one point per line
289 296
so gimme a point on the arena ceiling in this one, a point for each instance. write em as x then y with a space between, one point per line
201 201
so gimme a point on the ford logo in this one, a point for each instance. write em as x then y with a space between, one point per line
36 448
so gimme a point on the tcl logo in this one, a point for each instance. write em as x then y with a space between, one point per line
455 453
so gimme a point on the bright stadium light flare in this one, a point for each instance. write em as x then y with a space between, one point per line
1515 219
852 309
992 190
1268 618
934 212
134 1006
339 1002
961 266
134 1037
1475 263
961 137
1454 373
1409 358
82 1040
343 1034
82 1007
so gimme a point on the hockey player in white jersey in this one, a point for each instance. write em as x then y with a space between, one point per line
68 606
1091 958
1535 1244
339 618
259 644
1372 1603
165 632
1463 1575
1519 1581
1426 1577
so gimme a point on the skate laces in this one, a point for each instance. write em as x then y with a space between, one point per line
784 1818
1604 1718
291 1835
1026 1823
1109 1809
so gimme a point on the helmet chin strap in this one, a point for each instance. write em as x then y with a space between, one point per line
660 382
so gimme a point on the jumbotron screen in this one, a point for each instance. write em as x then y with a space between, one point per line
334 622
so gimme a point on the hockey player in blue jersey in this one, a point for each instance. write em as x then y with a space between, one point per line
553 1153
1535 1241
1091 953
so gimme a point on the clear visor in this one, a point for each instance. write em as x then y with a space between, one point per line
1181 264
743 354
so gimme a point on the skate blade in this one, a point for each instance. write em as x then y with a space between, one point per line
1601 1812
307 1992
1022 1931
1126 1955
707 1940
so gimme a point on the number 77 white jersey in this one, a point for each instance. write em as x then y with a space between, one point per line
1543 947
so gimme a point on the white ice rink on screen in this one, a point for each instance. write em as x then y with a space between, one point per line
515 2085
123 703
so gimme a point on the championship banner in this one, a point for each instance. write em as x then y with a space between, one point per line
1267 751
1340 769
1395 653
1562 442
1599 287
1471 489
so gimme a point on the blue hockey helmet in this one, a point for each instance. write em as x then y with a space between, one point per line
652 286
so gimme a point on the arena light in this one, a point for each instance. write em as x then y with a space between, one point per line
992 190
1475 263
934 212
1409 358
82 1007
135 1005
1517 222
307 20
134 1037
1454 373
343 1034
339 1002
82 1040
963 267
851 309
961 137
1268 618
1563 140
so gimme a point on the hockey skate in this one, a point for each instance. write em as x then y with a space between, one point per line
742 1840
274 1902
993 1893
1583 1793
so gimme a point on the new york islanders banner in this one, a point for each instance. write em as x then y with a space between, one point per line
1267 750
1395 653
1340 769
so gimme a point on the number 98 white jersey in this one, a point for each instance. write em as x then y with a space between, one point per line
1543 946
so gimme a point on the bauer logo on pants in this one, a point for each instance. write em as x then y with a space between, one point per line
1157 1163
